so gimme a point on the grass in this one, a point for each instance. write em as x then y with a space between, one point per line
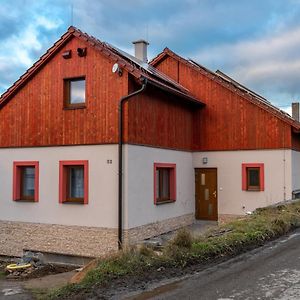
226 241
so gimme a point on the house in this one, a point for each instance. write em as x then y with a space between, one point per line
99 149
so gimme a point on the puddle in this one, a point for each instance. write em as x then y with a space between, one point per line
12 291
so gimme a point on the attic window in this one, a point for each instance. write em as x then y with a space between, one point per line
74 92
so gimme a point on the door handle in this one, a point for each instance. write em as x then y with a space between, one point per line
215 194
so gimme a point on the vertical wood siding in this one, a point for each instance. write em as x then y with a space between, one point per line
158 119
228 122
35 116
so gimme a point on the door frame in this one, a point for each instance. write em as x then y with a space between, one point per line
217 202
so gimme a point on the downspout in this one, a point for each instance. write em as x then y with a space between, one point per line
120 154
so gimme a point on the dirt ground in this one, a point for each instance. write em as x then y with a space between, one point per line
36 283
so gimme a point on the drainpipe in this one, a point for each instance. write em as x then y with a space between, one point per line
120 153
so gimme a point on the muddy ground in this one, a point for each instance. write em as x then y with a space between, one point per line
41 271
125 285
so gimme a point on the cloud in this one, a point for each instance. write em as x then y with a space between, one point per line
28 29
255 41
269 64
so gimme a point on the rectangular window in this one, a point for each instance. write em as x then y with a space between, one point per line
253 177
73 182
74 92
164 183
26 181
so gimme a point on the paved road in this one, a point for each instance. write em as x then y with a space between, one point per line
13 290
272 272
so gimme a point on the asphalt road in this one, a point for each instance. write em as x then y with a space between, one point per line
13 290
271 272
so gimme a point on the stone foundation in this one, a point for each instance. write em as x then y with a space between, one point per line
136 234
74 240
77 240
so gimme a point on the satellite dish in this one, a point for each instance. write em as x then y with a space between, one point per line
115 68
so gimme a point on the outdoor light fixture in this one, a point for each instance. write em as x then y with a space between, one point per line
204 160
81 52
67 54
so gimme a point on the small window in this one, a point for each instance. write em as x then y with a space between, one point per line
164 183
74 182
25 181
253 177
74 92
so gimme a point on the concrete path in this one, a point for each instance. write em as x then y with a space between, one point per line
196 229
271 272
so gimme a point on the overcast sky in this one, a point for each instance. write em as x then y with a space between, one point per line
256 42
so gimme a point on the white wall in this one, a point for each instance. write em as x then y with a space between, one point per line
101 211
295 170
139 181
139 207
231 198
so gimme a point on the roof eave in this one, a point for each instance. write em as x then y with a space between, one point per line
177 93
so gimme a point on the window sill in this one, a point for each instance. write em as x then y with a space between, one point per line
74 107
164 202
73 202
253 190
25 200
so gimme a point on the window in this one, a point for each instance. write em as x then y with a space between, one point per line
164 183
26 181
253 177
74 92
73 181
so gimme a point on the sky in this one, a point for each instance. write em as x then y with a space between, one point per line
255 42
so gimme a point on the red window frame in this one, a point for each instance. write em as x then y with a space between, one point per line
172 188
63 165
17 165
259 166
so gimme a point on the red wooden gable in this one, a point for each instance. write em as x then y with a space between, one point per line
32 111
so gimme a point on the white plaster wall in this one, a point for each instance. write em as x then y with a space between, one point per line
101 211
295 170
231 198
139 185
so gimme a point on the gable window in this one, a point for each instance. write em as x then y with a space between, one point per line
164 183
74 92
73 182
26 181
253 177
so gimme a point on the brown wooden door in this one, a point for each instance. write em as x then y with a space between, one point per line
206 194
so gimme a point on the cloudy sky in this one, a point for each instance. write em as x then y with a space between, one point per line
256 42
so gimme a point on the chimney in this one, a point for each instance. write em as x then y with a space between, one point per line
140 50
295 111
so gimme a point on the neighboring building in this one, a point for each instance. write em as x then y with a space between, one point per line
187 131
